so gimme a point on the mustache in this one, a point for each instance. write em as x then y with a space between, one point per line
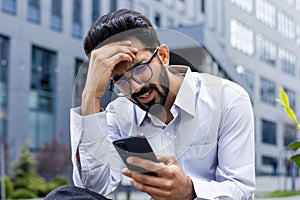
144 90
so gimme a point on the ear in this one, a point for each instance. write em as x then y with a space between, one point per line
164 54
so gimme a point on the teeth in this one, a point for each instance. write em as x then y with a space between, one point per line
145 95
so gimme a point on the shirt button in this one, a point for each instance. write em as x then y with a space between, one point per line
167 134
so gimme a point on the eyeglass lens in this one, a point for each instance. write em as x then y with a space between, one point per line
140 74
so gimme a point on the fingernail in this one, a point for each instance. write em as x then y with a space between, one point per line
131 181
124 171
130 160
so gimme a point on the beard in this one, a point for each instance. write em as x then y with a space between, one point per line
156 105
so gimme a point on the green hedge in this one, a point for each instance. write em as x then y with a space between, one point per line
8 186
23 194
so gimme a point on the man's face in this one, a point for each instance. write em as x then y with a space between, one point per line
151 95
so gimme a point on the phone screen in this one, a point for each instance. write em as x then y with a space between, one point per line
138 147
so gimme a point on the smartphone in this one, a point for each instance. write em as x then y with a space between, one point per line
138 147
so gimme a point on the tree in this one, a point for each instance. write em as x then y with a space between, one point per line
23 168
284 101
53 159
24 175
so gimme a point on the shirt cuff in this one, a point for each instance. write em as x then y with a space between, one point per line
210 190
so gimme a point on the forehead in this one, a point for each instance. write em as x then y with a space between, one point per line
140 57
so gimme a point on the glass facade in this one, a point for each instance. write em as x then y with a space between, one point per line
246 5
292 97
247 76
95 10
268 91
241 37
287 61
4 49
297 4
157 19
266 12
42 97
290 134
77 19
113 5
80 72
9 6
56 15
269 132
266 49
286 26
34 11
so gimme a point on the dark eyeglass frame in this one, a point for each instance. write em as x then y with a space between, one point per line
112 82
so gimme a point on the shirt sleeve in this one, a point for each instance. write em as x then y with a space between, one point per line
99 166
235 173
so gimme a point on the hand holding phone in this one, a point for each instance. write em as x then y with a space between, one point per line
138 147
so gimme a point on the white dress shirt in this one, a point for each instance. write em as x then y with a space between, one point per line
211 134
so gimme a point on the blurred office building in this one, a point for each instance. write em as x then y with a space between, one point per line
253 42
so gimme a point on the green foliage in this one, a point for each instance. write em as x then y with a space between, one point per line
8 186
23 194
27 182
284 101
23 168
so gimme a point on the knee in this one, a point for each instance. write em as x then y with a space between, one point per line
60 192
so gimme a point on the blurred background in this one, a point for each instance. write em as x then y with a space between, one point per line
255 43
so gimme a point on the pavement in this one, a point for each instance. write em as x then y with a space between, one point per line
263 184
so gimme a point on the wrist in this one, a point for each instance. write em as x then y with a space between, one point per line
90 104
191 194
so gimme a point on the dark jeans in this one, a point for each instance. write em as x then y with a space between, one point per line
69 192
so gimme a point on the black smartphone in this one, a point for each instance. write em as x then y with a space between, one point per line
138 147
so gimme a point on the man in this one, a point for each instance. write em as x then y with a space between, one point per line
200 126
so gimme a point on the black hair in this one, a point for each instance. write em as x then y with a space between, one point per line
114 23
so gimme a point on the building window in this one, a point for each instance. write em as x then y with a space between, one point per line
42 97
247 76
269 132
290 2
157 19
77 19
298 35
241 37
297 5
56 15
95 10
81 69
266 12
246 5
266 49
113 5
290 134
267 160
9 6
268 91
287 61
34 11
170 22
4 42
292 98
202 6
286 26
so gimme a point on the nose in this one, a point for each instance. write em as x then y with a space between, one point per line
135 86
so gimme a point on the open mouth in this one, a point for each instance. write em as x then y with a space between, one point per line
146 97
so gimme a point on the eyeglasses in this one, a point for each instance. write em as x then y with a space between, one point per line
141 73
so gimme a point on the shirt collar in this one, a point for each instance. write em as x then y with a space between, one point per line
185 98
